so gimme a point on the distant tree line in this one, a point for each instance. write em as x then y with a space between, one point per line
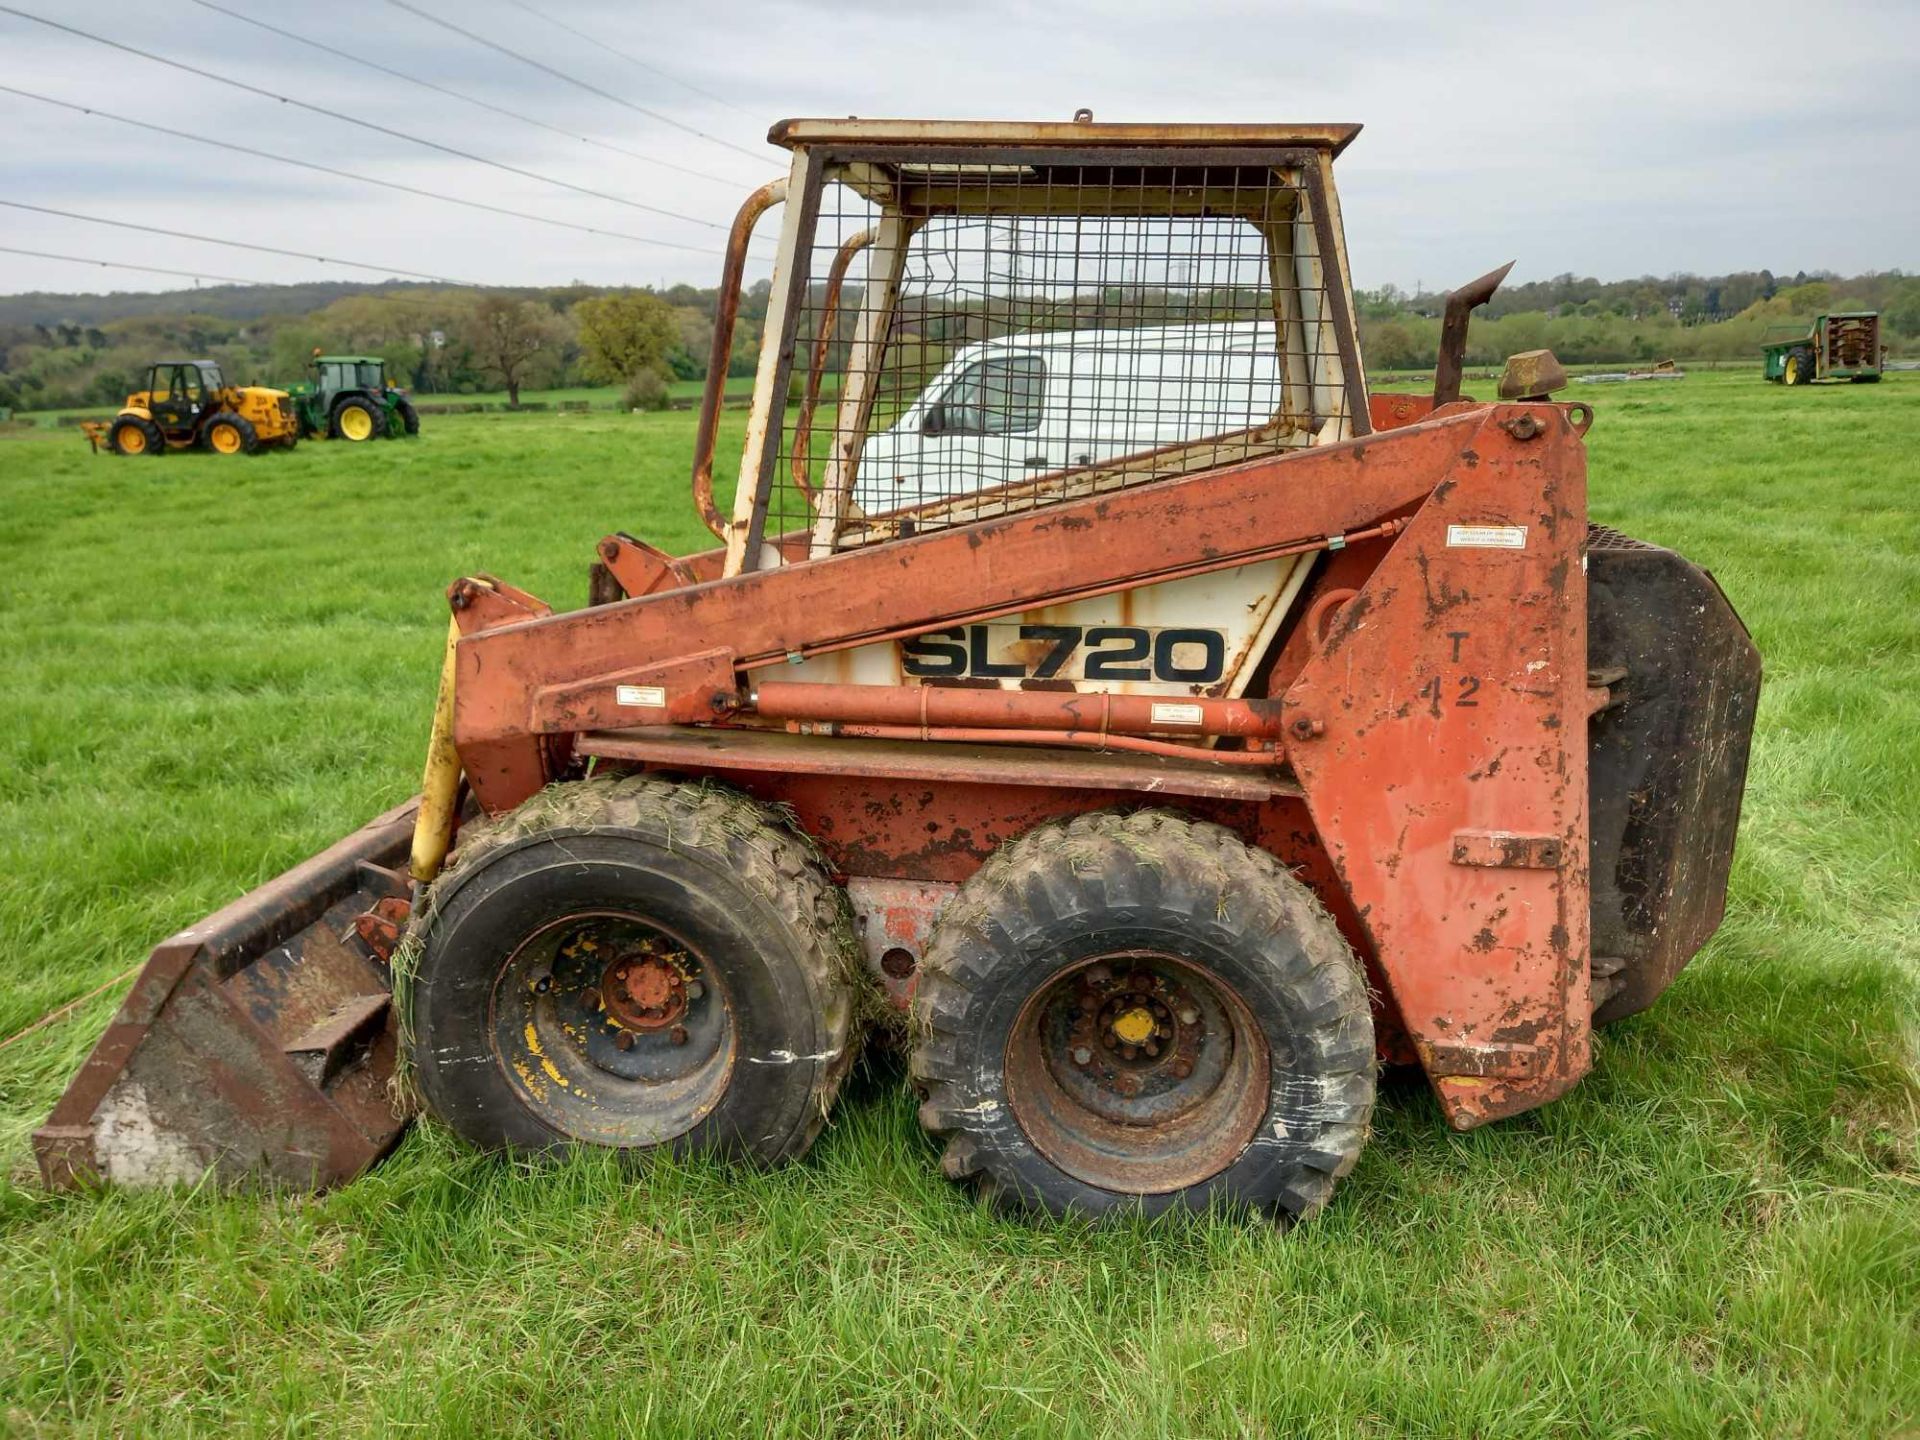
434 342
1683 317
460 341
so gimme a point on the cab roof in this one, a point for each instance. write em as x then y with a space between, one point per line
853 130
349 360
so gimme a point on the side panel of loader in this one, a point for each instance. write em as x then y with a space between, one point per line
1437 733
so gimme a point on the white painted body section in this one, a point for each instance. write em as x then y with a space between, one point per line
1244 607
1103 394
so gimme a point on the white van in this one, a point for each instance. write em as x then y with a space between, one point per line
1030 405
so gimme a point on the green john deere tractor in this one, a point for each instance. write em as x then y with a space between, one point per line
347 397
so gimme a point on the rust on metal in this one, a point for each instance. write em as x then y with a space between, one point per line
641 569
1137 1072
707 433
1452 358
1457 707
256 1044
936 707
923 134
1532 375
893 919
1506 850
746 751
801 467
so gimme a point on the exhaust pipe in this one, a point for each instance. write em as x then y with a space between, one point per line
1453 332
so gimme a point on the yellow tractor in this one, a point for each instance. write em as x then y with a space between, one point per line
189 402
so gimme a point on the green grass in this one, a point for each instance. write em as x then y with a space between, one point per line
211 668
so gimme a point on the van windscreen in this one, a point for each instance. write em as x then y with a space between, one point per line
1002 395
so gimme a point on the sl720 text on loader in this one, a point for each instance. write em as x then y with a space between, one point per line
1173 730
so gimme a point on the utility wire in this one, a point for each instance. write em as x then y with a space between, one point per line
458 95
235 244
575 81
357 179
123 265
355 120
635 60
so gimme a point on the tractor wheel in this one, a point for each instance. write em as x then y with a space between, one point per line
1798 369
1141 1012
634 964
354 419
409 417
230 434
131 435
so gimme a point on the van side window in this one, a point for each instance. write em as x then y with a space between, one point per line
1001 395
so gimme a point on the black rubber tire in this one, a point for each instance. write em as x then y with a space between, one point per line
409 417
1802 370
375 417
155 442
249 437
712 864
1157 880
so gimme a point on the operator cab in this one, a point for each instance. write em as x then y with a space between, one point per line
179 391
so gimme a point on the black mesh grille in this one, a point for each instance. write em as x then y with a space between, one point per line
978 337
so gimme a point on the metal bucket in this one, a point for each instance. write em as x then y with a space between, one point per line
256 1045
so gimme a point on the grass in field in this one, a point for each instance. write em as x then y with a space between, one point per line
211 668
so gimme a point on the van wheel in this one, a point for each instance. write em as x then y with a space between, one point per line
1142 1012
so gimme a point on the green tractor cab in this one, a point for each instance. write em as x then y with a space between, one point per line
348 398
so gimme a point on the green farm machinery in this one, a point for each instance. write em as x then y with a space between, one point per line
347 397
1845 346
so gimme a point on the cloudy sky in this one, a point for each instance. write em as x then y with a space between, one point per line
1614 139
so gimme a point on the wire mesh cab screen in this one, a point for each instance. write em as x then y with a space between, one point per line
978 334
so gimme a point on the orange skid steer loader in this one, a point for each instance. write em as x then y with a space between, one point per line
1099 676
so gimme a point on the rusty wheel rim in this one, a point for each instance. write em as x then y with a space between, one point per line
613 1029
1138 1072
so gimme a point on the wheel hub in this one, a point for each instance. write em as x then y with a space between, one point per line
644 991
1137 1072
597 1004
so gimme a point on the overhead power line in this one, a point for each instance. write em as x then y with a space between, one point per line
234 244
635 60
575 81
438 88
125 265
403 188
355 120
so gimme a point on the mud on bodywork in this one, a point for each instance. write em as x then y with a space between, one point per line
1667 762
